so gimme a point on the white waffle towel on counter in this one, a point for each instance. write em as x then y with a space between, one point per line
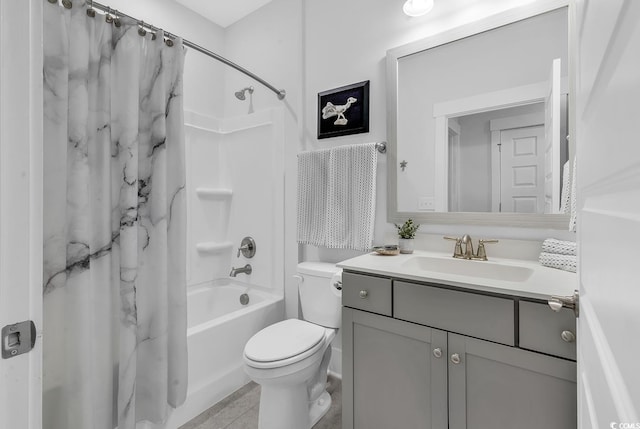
561 262
345 217
573 210
565 195
552 245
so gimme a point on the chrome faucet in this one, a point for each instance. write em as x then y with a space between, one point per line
468 247
468 253
235 271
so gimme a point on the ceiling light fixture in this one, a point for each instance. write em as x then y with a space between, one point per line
417 7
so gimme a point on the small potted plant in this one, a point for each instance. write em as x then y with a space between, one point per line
406 234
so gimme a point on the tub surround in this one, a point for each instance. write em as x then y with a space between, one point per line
224 156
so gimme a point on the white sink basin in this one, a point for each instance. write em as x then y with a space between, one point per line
469 268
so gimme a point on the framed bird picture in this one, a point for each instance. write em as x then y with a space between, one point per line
343 111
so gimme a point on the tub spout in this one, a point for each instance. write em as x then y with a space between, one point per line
235 271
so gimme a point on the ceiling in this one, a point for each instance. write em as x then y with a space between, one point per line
223 13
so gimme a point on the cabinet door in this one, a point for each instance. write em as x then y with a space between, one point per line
391 375
495 386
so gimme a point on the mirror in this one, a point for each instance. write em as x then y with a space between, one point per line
477 123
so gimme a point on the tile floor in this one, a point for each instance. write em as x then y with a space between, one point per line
240 410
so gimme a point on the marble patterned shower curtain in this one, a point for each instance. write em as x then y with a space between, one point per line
114 224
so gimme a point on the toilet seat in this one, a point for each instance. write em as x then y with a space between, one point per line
284 343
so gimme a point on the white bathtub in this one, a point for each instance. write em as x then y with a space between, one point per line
218 328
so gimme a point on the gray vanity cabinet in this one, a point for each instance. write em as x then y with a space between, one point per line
495 386
395 381
423 356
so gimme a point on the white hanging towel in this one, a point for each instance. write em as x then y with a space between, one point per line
351 197
337 197
313 169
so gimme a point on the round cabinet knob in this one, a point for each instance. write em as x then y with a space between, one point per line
568 336
364 294
437 352
455 358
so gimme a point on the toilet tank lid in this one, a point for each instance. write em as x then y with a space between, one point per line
321 269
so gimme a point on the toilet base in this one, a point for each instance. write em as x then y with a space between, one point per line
287 408
284 407
319 407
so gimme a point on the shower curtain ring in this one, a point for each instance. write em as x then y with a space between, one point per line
108 16
116 21
91 12
141 30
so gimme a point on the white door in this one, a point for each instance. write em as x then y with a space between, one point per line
20 211
607 107
552 167
522 170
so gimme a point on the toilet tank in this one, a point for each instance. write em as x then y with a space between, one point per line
320 300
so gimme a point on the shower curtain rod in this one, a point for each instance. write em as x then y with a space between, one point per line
281 93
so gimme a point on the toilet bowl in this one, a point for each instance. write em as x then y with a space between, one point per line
290 359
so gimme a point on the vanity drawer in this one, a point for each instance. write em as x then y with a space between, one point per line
472 314
367 293
541 330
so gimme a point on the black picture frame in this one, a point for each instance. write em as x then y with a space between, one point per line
332 122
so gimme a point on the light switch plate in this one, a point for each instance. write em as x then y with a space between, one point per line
426 204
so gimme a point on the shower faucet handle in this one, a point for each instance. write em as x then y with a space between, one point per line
247 247
242 249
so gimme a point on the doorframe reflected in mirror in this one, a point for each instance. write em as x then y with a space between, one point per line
510 98
550 221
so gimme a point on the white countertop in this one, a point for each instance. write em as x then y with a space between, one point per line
541 284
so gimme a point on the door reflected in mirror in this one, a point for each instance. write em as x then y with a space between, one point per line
497 161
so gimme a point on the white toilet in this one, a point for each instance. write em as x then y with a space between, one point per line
290 359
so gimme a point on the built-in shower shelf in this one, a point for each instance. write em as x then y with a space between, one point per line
213 246
214 193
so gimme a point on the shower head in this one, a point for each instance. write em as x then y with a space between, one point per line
240 95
